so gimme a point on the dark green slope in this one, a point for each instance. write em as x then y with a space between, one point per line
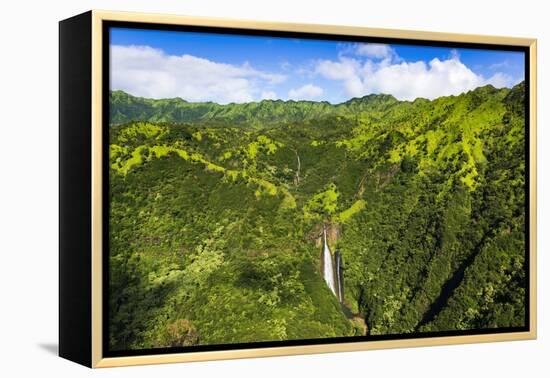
215 225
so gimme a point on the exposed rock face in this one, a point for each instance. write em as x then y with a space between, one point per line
334 231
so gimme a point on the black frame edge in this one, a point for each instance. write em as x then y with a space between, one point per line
75 91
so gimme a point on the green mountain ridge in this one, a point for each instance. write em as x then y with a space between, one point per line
126 108
217 210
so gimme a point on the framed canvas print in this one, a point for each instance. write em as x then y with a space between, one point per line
234 189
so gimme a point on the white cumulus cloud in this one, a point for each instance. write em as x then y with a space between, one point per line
501 80
406 80
268 95
305 92
148 72
374 50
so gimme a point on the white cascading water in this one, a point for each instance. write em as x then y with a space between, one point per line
327 262
338 276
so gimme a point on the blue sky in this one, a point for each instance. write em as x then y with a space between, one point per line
233 68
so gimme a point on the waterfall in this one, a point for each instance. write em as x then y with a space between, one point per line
339 275
328 271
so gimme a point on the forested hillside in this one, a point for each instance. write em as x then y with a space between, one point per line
217 213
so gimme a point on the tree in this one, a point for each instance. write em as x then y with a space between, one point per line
322 205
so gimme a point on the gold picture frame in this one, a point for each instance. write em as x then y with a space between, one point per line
89 268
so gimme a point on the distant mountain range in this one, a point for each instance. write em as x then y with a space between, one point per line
126 108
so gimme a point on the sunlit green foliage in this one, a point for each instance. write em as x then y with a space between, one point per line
216 214
323 204
353 209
